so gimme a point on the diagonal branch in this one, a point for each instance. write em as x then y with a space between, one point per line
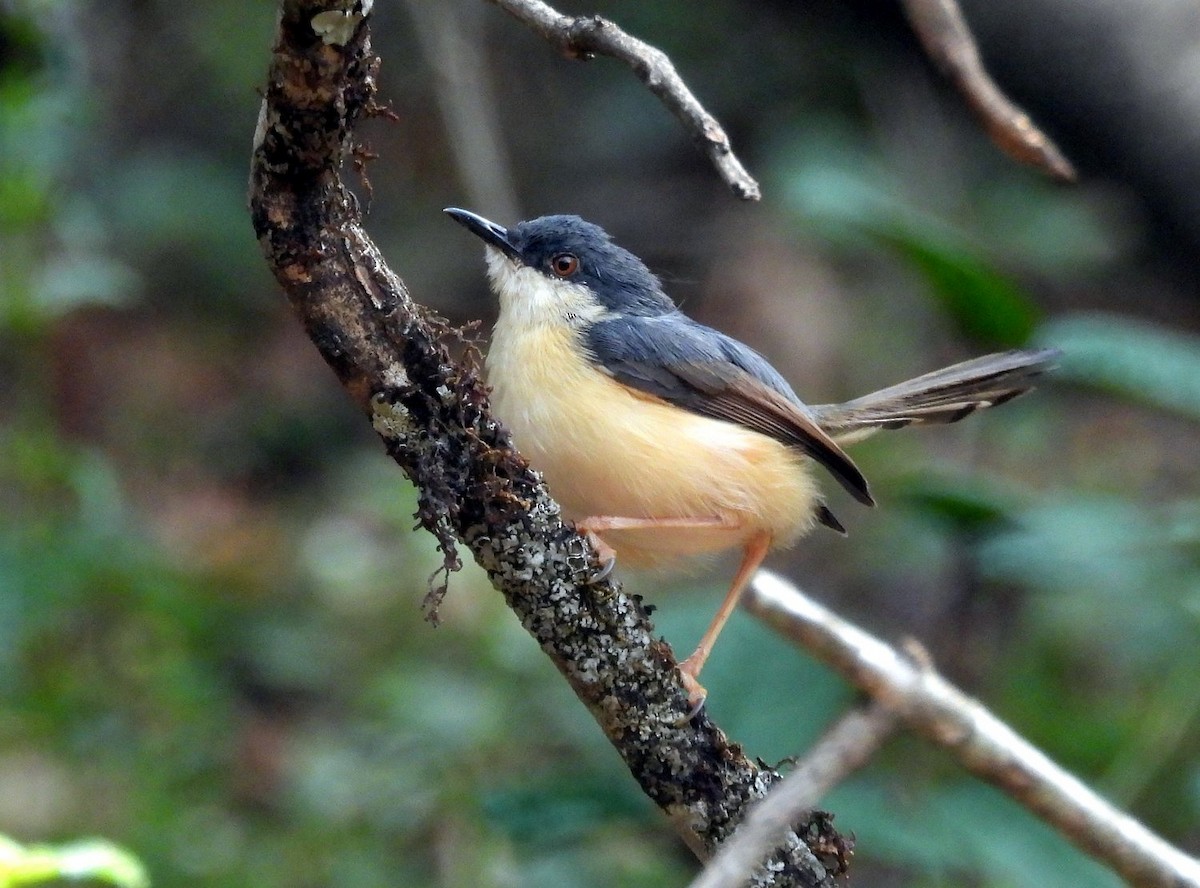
475 489
845 747
582 37
944 33
986 746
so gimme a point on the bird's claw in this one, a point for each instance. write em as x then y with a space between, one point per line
605 554
695 691
606 567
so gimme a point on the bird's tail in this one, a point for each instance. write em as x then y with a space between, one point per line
943 396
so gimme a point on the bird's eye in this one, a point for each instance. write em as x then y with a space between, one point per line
564 264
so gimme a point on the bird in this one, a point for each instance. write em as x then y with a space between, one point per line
663 439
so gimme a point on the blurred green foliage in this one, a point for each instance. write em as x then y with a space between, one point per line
211 644
22 865
1147 364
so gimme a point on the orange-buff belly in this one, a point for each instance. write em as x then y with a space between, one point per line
606 450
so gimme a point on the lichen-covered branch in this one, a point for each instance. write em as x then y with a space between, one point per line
475 490
908 686
942 30
585 36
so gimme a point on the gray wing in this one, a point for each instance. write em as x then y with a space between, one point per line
702 370
943 396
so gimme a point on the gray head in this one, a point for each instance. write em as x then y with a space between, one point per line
569 249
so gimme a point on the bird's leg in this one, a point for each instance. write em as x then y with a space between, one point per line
605 553
755 552
592 526
601 523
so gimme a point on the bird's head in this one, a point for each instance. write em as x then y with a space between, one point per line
564 269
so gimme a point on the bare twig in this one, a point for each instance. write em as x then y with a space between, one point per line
453 48
944 33
987 747
844 748
475 490
581 37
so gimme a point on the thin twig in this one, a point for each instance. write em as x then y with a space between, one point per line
987 747
943 32
582 37
475 490
452 41
844 748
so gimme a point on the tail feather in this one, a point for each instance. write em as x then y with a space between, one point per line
943 396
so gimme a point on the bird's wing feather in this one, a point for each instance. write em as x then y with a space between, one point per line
709 373
943 396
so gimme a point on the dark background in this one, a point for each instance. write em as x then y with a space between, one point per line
211 642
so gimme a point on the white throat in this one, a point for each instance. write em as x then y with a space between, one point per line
531 300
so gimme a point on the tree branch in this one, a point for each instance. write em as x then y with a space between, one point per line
942 30
845 748
939 24
582 37
930 705
474 488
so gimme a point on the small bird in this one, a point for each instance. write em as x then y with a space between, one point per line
662 438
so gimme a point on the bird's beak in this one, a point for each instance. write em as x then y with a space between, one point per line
492 234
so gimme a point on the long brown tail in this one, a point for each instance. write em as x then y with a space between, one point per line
943 396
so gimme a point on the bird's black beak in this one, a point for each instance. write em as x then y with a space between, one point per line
491 233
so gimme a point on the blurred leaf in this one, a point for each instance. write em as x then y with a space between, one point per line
48 269
366 777
961 829
612 858
1052 690
964 503
74 280
1092 543
40 117
846 186
21 43
835 184
23 200
213 199
563 806
1150 364
1163 719
984 304
429 702
81 271
844 192
227 35
1053 230
1112 572
90 859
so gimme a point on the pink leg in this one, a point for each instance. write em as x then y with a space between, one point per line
756 551
601 523
595 525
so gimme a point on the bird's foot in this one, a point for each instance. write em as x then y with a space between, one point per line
605 554
688 671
